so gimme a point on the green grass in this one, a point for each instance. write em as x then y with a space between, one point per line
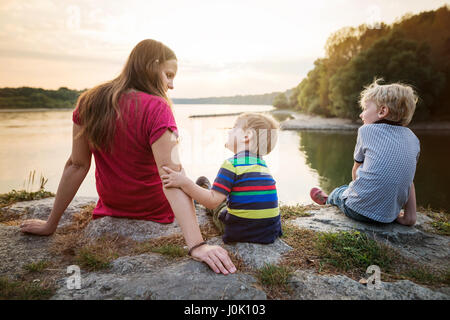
14 196
36 266
353 251
441 220
170 250
273 275
93 261
424 275
16 290
441 227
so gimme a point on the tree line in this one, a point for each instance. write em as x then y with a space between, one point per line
415 50
26 97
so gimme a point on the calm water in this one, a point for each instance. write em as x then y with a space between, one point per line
41 141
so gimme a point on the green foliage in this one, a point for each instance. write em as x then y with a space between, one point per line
91 260
26 97
280 101
14 196
170 250
15 290
273 275
413 51
36 266
395 59
353 250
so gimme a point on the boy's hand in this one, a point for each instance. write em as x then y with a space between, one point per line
174 179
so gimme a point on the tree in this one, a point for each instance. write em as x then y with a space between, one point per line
280 101
395 59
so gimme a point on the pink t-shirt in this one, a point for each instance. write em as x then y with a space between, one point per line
127 179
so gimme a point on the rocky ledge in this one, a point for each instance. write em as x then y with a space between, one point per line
153 275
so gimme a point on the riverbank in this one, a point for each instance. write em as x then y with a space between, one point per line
321 255
292 120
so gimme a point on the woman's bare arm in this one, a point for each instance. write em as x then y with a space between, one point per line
208 198
166 155
75 171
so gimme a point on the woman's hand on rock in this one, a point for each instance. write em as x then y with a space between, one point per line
37 227
215 257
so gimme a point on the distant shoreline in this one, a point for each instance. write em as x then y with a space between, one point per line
299 122
34 109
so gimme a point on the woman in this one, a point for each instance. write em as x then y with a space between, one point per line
128 125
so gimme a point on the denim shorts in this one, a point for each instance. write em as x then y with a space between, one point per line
335 198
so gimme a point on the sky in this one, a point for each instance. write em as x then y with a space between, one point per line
224 48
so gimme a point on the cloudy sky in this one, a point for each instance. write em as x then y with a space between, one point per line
223 47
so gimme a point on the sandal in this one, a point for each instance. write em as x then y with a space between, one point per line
318 196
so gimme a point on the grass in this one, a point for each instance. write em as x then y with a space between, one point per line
170 250
424 275
441 220
441 227
37 266
274 279
91 260
353 251
295 211
350 253
7 199
21 290
273 275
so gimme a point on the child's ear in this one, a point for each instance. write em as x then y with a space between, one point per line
383 112
249 134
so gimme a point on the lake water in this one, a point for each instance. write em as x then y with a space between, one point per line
41 141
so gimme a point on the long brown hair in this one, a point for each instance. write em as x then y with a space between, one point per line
99 107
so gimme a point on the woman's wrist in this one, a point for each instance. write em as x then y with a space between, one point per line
195 247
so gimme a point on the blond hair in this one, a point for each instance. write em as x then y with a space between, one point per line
400 98
265 128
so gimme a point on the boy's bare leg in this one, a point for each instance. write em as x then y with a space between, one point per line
409 217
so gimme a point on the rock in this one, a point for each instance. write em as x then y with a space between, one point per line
412 242
40 209
18 249
149 279
309 286
256 255
155 276
138 230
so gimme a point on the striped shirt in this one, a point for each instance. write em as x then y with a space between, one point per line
252 202
388 155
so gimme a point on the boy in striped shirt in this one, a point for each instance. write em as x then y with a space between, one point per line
250 213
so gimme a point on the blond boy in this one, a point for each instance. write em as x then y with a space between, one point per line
386 154
251 212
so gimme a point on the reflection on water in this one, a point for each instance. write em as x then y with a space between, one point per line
331 155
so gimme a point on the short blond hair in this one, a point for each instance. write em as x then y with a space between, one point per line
400 98
265 128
